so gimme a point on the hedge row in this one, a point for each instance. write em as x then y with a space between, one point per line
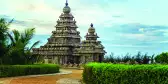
103 73
20 70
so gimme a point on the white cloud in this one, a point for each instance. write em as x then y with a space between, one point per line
126 45
40 30
141 29
139 37
164 41
23 9
40 11
152 32
16 26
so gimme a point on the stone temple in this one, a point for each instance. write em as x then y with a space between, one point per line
65 46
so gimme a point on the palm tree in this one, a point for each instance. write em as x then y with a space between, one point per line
138 58
152 59
3 37
126 58
146 59
3 29
19 41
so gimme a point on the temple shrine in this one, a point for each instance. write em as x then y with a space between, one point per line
65 45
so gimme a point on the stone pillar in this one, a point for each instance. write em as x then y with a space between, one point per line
55 59
63 60
52 59
66 59
82 59
91 58
60 57
78 60
102 57
86 59
74 59
94 57
45 60
97 57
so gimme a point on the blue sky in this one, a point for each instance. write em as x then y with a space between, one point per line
122 25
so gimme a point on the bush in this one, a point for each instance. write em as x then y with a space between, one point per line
103 73
20 70
140 58
162 58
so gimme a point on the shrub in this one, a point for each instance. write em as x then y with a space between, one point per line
19 70
162 58
138 58
145 59
103 73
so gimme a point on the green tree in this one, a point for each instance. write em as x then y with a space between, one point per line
17 48
152 59
109 58
4 26
145 59
162 58
132 61
126 58
138 58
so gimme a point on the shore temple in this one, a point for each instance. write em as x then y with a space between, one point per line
65 46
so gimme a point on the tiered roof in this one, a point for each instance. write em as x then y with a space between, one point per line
64 39
91 45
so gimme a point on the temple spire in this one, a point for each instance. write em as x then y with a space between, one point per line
91 25
66 3
66 9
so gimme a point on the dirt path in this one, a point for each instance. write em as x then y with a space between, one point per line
76 75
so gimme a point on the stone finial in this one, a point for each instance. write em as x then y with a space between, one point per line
91 25
66 9
66 3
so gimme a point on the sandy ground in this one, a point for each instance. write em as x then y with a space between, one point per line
76 74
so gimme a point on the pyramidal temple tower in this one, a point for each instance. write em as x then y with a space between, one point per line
91 49
65 46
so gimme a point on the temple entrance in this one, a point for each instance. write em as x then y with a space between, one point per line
77 60
74 59
100 58
70 60
94 58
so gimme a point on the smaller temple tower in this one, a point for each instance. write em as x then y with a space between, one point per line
91 50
